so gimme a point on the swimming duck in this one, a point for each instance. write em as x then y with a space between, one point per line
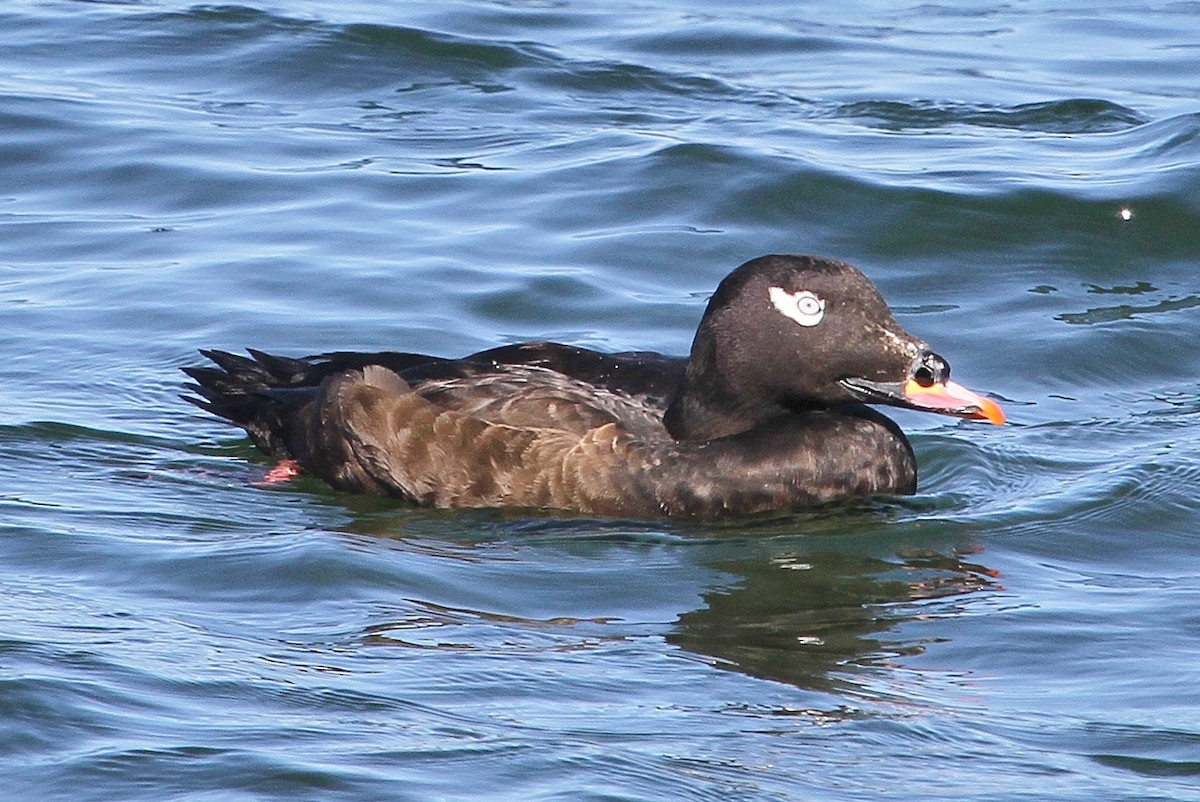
768 412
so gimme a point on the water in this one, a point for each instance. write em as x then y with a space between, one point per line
1021 180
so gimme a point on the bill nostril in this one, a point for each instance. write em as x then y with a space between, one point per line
932 370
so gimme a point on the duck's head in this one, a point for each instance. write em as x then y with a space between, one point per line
800 332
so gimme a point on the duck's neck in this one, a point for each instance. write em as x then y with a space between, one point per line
711 402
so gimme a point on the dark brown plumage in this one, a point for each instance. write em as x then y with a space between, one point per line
765 414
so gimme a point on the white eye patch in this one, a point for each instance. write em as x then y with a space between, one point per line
804 306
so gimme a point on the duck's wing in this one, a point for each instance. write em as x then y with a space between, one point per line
538 384
535 397
370 431
532 384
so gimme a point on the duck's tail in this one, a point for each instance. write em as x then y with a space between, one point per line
263 393
259 393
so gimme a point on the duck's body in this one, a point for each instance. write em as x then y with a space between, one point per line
765 414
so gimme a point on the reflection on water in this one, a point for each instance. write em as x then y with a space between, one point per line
1140 288
1075 116
810 621
1107 314
782 601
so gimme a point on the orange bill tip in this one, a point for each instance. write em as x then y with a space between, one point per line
952 398
990 410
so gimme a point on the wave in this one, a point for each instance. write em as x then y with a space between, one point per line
422 101
1068 116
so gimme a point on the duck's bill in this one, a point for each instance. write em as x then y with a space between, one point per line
947 398
952 398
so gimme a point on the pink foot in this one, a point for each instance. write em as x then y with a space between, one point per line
285 471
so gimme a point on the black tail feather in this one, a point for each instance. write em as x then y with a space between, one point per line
241 391
261 393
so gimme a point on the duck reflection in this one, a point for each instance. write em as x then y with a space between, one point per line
811 620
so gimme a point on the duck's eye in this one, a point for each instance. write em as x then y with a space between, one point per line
809 305
804 306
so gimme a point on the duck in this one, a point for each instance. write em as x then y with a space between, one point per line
771 411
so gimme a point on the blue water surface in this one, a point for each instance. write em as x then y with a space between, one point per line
1022 181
